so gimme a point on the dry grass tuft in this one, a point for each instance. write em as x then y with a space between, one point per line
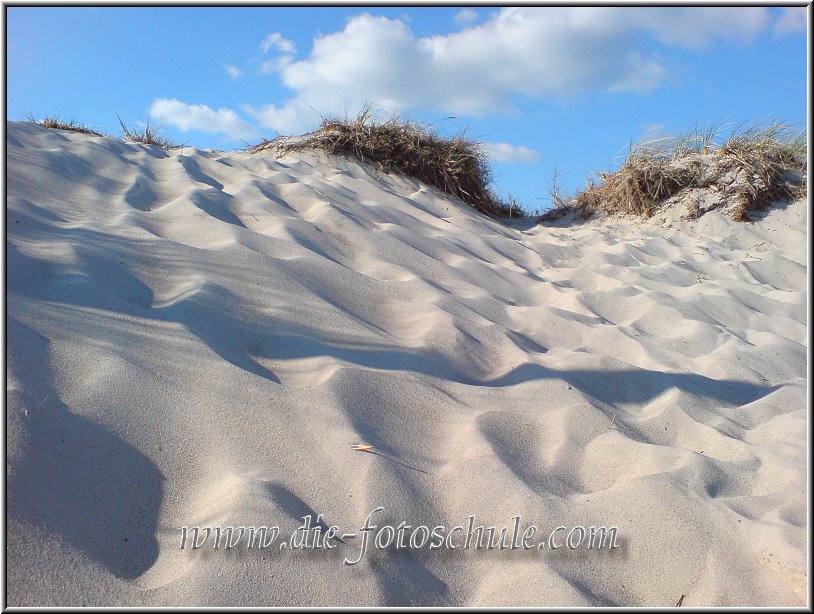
752 168
770 163
147 136
70 125
457 166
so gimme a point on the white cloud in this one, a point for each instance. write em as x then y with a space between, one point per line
289 119
465 16
698 27
792 19
233 71
200 117
276 65
530 51
276 41
506 152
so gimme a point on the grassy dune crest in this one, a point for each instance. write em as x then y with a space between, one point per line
753 167
749 170
147 135
55 123
457 166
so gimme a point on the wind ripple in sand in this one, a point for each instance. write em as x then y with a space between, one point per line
219 328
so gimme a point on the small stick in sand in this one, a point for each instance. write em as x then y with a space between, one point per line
43 400
38 406
360 447
613 422
680 601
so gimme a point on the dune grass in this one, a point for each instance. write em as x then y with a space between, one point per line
750 169
58 124
457 166
147 136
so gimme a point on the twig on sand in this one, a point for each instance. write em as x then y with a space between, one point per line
44 399
613 422
680 601
361 447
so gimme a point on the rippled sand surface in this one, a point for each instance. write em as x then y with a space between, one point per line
196 338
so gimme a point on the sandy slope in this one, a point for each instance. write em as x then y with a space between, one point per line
198 337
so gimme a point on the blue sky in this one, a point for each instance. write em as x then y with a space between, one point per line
542 87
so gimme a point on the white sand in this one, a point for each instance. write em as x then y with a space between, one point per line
197 338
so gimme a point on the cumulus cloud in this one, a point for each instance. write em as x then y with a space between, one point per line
233 71
528 52
200 117
792 19
506 152
276 41
465 16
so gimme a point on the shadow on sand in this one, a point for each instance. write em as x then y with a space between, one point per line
77 479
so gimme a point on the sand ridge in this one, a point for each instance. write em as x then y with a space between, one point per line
197 337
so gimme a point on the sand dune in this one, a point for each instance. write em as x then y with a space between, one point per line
198 337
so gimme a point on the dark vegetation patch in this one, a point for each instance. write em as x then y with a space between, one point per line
457 166
752 168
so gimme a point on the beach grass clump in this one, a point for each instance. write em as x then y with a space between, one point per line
147 136
457 166
767 164
752 168
70 125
